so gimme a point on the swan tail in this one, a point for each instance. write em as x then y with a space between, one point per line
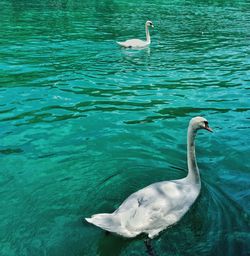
106 221
121 44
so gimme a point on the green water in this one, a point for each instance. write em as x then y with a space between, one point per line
84 123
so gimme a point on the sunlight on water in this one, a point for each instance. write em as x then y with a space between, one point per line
84 123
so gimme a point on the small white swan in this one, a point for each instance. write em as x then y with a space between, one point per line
157 206
137 43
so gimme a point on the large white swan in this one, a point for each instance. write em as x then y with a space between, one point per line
157 206
137 43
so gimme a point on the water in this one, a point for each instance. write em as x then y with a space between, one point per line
83 123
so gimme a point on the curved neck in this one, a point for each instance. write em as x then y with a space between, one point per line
193 171
147 34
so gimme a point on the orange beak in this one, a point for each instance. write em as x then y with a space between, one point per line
208 128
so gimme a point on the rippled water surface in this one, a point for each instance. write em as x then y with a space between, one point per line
84 123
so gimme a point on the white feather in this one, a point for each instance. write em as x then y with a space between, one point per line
160 205
137 43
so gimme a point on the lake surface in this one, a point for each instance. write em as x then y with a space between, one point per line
84 123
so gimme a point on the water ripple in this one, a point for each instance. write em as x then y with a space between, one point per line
84 123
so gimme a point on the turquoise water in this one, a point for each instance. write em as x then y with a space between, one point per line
84 123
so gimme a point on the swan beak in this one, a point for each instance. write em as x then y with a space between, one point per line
208 128
152 26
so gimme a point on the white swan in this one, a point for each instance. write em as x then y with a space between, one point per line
137 43
157 206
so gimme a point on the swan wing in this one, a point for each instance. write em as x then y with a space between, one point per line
149 210
133 43
156 207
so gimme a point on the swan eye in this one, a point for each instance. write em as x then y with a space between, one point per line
206 123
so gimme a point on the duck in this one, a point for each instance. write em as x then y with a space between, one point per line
160 205
137 43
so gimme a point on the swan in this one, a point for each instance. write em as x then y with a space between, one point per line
159 205
137 43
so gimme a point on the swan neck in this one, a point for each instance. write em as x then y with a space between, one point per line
147 34
193 171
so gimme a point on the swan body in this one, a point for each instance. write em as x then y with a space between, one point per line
137 43
159 205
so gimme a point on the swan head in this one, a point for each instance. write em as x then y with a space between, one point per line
149 23
199 122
